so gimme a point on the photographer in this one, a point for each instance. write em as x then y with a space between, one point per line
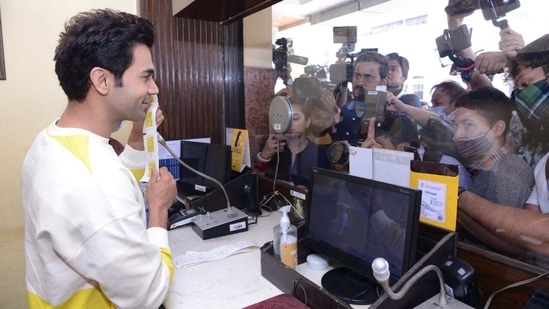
324 115
289 157
371 69
398 74
397 132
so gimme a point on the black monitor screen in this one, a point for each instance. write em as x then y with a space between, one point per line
354 220
213 160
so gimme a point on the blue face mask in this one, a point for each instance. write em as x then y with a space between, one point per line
439 110
533 106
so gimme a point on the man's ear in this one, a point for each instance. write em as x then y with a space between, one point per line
499 128
99 80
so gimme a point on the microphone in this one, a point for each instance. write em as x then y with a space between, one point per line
380 268
218 223
162 142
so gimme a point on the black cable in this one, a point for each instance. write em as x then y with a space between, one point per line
296 283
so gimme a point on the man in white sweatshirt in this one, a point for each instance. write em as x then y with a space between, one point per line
87 240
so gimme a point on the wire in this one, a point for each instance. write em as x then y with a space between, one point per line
514 285
297 282
162 142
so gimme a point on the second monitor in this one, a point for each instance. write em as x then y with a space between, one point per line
214 160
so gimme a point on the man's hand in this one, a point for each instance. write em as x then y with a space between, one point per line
161 192
394 104
370 141
490 62
135 140
272 146
511 42
459 9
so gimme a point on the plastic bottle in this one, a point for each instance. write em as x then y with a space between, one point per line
285 239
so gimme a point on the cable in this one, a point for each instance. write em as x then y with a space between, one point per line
162 142
514 285
296 283
380 268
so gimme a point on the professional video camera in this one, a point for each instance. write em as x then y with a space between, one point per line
284 54
339 73
311 85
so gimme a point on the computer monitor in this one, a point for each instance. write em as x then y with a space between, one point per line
213 160
353 220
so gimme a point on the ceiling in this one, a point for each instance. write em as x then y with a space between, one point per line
290 13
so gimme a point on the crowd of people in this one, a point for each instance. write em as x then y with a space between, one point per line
497 140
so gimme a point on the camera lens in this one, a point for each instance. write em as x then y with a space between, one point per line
338 153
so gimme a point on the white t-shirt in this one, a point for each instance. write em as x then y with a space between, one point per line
540 193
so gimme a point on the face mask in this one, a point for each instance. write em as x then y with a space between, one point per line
440 110
472 150
533 106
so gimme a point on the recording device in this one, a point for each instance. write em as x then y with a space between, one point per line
338 153
222 222
284 54
375 105
345 35
380 268
307 87
494 9
341 72
451 42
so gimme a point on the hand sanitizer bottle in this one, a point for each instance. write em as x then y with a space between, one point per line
285 239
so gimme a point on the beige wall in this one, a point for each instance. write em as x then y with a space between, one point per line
31 98
257 30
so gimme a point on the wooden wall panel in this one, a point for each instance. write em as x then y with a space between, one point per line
199 68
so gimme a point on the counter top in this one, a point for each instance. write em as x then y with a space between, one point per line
233 282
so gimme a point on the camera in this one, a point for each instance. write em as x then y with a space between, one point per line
494 9
284 54
310 86
306 87
452 41
338 153
375 105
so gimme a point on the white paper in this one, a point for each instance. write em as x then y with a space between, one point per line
360 162
433 200
191 257
392 166
150 138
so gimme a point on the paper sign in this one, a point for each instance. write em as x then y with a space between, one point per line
240 148
438 183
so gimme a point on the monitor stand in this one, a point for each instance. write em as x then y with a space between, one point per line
350 286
